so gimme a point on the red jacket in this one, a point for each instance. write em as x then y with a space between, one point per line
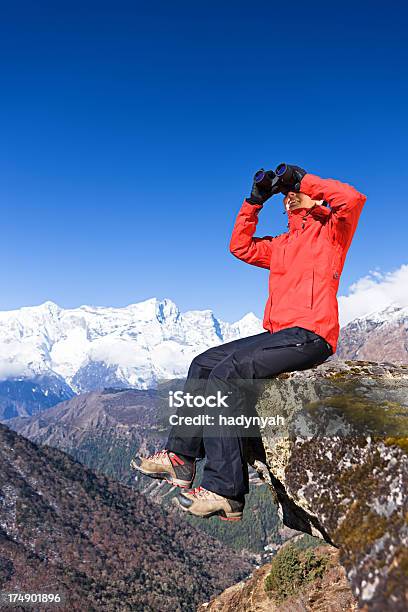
306 262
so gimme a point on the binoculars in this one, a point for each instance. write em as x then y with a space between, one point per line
267 179
264 179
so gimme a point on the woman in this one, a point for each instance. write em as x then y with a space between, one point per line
301 323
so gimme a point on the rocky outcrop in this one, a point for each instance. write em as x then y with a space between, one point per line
338 469
330 592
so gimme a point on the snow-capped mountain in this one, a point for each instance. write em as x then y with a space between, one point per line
48 352
94 347
378 336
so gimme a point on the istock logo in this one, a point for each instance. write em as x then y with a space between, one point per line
177 399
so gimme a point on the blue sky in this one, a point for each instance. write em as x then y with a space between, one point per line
130 132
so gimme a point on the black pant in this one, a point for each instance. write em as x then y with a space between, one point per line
222 367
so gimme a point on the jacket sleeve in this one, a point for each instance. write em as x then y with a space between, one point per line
255 251
345 202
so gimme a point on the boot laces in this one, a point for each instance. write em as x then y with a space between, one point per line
200 492
158 455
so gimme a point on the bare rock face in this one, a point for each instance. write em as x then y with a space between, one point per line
379 336
338 469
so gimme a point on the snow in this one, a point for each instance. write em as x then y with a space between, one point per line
391 313
144 342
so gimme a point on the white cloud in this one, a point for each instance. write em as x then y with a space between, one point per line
374 292
11 369
15 359
118 351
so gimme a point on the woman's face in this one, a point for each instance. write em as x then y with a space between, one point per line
297 200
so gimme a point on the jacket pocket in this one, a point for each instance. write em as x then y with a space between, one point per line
278 346
277 263
336 265
304 294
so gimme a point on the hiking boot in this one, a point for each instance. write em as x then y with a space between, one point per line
178 470
204 503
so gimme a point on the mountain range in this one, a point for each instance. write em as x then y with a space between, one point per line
83 381
104 545
105 429
93 347
102 429
48 354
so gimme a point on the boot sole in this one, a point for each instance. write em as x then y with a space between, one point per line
183 484
222 515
